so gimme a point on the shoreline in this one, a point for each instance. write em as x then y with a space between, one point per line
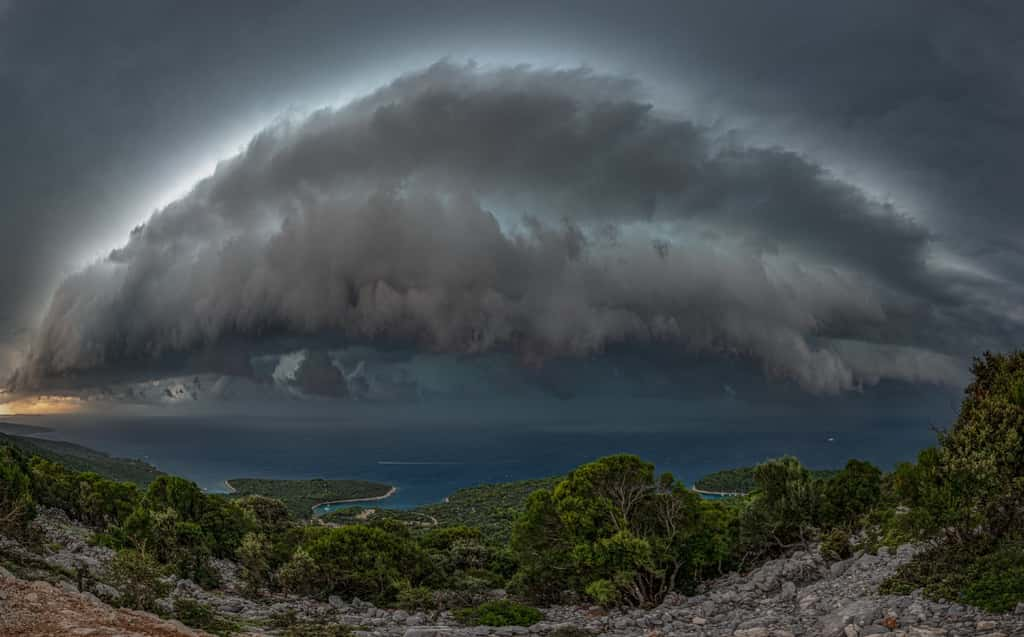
720 494
375 498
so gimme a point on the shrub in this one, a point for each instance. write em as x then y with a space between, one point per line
499 613
784 511
850 494
183 496
358 561
179 525
610 520
417 598
266 515
253 556
224 525
983 454
87 497
997 582
444 538
294 575
604 592
138 578
199 615
937 496
986 576
835 545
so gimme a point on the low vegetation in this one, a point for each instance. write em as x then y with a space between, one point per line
611 532
500 612
300 496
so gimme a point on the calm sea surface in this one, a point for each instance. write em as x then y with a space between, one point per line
427 461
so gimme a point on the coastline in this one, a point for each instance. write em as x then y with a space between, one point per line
718 494
375 498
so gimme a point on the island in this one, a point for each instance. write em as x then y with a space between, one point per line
491 508
740 481
302 497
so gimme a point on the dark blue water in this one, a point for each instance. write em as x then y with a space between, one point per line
428 461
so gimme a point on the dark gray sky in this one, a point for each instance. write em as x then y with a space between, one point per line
828 190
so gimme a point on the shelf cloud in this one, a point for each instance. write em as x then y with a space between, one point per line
548 213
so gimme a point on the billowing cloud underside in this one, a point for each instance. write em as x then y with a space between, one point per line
547 213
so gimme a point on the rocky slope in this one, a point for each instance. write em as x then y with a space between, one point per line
800 595
32 609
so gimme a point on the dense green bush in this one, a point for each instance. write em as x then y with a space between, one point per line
784 511
835 545
499 613
984 451
969 493
254 555
294 575
997 582
266 515
139 578
88 497
986 576
417 598
356 561
177 524
611 524
850 494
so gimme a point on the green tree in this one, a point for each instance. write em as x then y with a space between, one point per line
987 444
850 494
139 579
266 515
16 504
183 496
85 496
784 511
610 525
938 498
224 524
254 557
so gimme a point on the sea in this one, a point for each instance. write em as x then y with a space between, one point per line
429 457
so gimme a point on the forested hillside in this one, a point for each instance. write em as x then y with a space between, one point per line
81 458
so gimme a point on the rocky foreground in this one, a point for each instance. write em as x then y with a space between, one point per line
800 595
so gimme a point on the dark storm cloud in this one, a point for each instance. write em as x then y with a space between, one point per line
927 96
384 221
839 198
